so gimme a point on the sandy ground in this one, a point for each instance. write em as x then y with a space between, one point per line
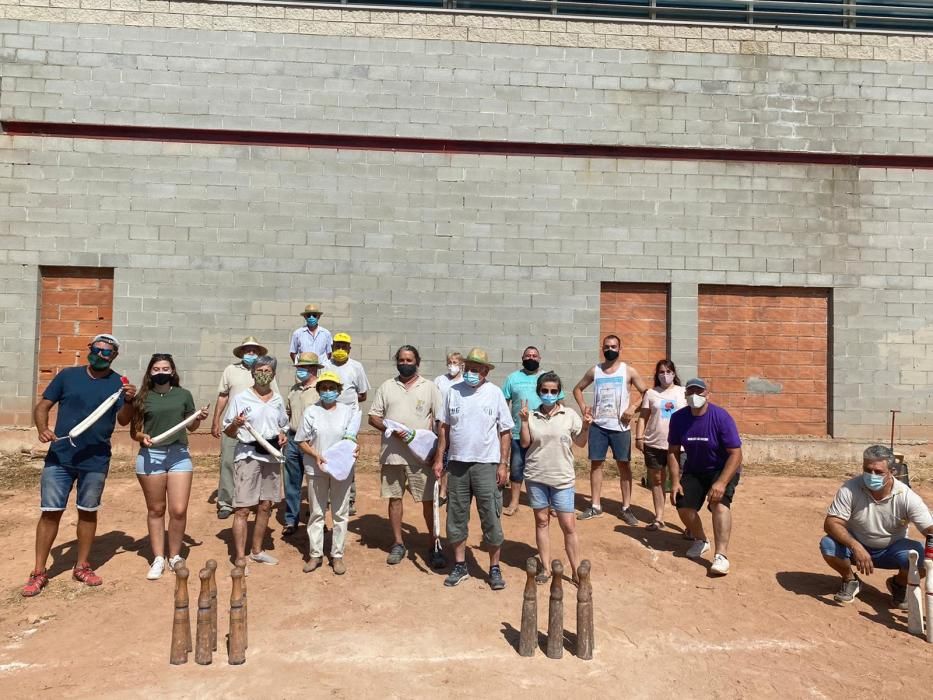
663 624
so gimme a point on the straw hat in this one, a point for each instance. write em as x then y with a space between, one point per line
249 340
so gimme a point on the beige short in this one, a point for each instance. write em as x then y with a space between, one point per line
255 481
417 479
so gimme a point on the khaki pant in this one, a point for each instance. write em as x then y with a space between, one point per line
322 488
225 484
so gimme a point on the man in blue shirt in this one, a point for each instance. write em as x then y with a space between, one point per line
85 459
311 337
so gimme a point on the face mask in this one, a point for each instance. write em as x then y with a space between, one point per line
453 370
249 358
162 378
311 321
696 401
874 482
406 371
471 378
263 379
340 355
329 397
302 374
98 362
611 355
548 399
531 365
666 379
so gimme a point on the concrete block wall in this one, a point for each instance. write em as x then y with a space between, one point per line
210 242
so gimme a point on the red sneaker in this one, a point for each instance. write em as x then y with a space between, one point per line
37 581
85 574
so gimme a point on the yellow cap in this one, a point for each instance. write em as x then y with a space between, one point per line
343 338
329 377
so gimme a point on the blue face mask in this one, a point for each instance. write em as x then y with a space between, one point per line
874 482
471 378
311 321
302 374
548 399
250 358
329 397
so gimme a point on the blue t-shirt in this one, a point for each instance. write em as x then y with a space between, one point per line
77 394
520 387
705 438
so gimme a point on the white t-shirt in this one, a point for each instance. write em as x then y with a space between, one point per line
662 405
444 383
476 416
268 418
354 380
325 428
878 524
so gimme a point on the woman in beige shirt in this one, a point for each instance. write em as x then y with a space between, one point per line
547 434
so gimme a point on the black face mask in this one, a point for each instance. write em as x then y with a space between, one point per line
611 355
406 371
161 379
531 365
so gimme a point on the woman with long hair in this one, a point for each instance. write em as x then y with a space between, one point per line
164 471
659 404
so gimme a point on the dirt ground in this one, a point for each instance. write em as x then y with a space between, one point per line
663 625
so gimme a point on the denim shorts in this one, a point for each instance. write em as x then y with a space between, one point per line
544 496
517 462
894 556
601 440
171 459
57 481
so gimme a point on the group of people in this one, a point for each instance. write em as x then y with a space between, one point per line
486 437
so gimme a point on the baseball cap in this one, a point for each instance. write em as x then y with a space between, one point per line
106 338
342 338
697 382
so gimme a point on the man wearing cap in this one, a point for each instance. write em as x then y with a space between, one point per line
78 391
475 422
355 386
415 402
300 396
311 337
713 450
236 378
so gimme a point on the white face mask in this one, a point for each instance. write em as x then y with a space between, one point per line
696 401
453 370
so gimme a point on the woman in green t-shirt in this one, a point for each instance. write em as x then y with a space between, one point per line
164 470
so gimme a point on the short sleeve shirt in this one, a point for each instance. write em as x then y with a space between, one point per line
416 407
78 394
354 381
520 386
878 524
549 459
705 439
268 418
321 342
300 396
476 416
662 405
236 379
324 428
162 412
443 383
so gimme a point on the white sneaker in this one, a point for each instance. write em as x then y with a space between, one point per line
720 565
698 549
264 558
175 562
157 569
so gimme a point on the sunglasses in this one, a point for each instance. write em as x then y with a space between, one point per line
103 352
550 392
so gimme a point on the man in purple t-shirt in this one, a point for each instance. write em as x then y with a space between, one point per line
710 440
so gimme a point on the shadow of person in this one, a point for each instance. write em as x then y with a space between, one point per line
511 635
514 554
660 540
105 547
375 531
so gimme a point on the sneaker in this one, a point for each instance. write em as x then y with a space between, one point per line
437 560
85 574
314 563
628 517
339 567
496 582
457 575
591 512
175 562
157 569
720 565
698 549
264 558
224 513
848 591
289 530
396 554
898 594
37 581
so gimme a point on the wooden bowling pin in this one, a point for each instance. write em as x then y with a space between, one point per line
236 640
528 638
181 625
915 595
555 618
202 651
928 564
585 639
212 568
241 565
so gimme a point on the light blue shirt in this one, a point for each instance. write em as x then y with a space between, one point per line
320 343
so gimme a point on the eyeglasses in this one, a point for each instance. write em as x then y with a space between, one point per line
103 352
550 392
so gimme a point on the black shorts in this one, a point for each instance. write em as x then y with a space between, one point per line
656 458
696 486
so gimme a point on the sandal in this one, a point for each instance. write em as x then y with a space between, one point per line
656 525
511 510
85 574
37 581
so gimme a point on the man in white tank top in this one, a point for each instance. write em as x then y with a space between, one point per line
614 406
